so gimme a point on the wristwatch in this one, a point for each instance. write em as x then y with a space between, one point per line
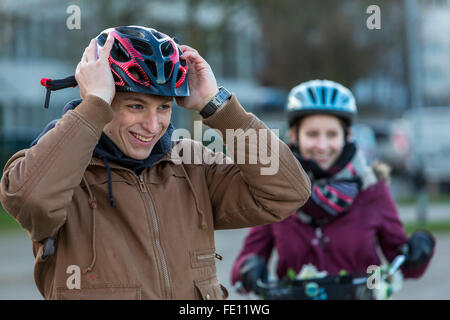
216 102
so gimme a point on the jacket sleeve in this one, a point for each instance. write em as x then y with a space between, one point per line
391 234
259 241
38 183
264 183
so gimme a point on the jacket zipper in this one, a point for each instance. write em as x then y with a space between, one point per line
142 184
157 241
209 256
143 189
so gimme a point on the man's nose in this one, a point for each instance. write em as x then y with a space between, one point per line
151 123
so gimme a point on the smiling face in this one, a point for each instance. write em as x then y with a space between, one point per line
321 138
140 120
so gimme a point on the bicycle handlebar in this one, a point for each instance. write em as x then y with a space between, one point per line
396 264
57 84
287 290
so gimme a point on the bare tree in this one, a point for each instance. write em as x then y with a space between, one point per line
305 39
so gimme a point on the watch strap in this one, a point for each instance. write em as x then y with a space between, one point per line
215 103
208 110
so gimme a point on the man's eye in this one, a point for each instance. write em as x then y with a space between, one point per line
135 106
164 107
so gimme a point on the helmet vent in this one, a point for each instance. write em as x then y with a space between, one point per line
151 66
179 75
135 72
131 32
119 53
167 49
167 69
102 39
116 78
157 34
333 96
312 95
323 91
142 47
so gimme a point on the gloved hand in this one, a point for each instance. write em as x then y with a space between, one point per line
420 249
253 268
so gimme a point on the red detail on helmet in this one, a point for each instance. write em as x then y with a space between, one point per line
184 71
183 77
174 58
121 83
125 66
46 82
126 43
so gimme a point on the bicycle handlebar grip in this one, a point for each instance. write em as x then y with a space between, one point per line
396 264
57 84
63 83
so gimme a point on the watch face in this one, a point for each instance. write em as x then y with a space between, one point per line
223 95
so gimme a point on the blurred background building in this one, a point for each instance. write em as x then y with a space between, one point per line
259 49
435 38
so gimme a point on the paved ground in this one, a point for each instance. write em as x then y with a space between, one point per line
433 285
16 263
16 267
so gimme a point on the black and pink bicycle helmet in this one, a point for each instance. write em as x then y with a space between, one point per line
144 60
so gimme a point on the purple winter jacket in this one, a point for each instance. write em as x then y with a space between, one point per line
348 243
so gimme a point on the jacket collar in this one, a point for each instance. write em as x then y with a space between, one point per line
168 157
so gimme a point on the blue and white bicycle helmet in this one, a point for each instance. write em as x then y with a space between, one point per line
320 96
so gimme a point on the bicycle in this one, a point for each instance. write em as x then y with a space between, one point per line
335 287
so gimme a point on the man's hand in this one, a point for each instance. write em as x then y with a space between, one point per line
93 74
202 82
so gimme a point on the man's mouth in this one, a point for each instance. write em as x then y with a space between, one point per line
142 138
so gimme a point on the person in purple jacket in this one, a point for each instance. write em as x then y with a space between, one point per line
350 212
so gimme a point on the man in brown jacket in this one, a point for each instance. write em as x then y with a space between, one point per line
112 211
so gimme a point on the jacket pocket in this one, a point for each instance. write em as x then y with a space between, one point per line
204 257
210 289
109 292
